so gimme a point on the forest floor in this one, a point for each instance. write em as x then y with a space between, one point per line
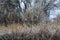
46 31
51 27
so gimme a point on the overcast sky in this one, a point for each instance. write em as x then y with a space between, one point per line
54 11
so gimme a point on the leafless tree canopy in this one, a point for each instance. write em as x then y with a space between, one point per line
10 10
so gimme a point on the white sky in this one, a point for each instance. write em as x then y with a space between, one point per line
53 14
54 11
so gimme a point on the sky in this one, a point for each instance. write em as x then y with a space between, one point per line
54 11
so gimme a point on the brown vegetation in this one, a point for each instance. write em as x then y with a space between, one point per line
42 31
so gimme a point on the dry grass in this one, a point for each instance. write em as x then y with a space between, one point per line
41 31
